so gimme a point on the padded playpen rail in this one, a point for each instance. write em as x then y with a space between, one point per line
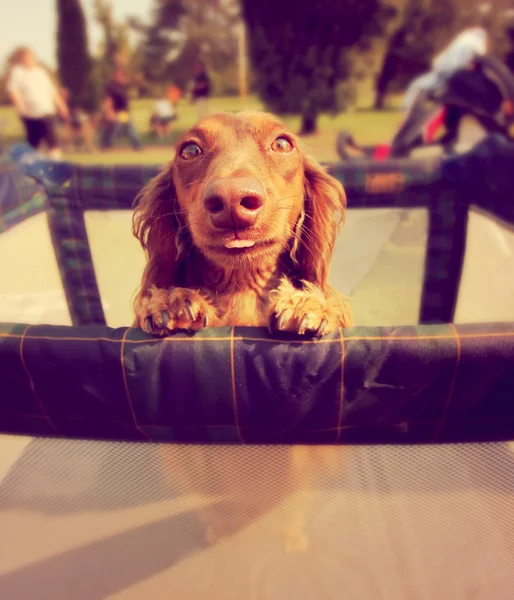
402 385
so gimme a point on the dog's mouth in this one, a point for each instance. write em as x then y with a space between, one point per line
237 246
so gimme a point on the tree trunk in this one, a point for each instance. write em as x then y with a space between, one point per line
74 63
309 123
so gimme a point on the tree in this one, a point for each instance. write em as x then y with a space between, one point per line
301 52
115 49
163 41
183 31
75 66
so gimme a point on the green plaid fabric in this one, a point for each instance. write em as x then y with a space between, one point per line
439 383
20 196
106 188
415 188
73 254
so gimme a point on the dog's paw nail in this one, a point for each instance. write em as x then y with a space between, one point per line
165 318
303 325
281 322
189 310
322 328
149 325
206 321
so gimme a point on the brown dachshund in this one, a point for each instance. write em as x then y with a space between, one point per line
239 230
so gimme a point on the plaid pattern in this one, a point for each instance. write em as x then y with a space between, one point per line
419 181
71 245
107 187
482 178
446 246
20 197
439 383
485 177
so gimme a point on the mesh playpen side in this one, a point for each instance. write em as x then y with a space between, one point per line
374 463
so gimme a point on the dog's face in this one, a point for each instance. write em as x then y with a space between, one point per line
243 193
239 182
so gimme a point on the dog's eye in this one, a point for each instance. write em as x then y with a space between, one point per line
282 144
190 151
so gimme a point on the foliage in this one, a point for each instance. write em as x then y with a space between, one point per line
116 48
182 32
303 52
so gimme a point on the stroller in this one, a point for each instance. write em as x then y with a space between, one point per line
485 92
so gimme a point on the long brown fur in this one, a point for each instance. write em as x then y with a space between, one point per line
191 281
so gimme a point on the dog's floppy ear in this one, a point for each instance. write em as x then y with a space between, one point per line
319 223
158 225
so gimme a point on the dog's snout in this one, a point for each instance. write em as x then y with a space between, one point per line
234 203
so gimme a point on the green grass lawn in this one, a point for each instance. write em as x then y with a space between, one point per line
367 126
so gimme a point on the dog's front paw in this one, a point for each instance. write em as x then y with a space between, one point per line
163 311
306 310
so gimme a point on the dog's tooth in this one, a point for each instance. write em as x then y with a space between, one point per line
239 244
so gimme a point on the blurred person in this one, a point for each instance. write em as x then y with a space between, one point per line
459 54
201 90
174 94
63 125
77 132
117 112
163 115
465 81
36 100
455 64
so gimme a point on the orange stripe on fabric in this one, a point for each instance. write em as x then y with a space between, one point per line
125 383
506 334
44 414
458 349
341 397
233 377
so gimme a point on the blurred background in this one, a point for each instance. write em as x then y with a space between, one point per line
131 75
325 65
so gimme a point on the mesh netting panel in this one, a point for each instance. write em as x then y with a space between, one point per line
379 250
486 292
112 520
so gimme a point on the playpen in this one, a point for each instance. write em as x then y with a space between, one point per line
100 424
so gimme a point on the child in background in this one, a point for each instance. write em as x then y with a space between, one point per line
201 90
174 94
36 101
116 110
163 115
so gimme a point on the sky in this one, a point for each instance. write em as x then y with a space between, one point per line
33 23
